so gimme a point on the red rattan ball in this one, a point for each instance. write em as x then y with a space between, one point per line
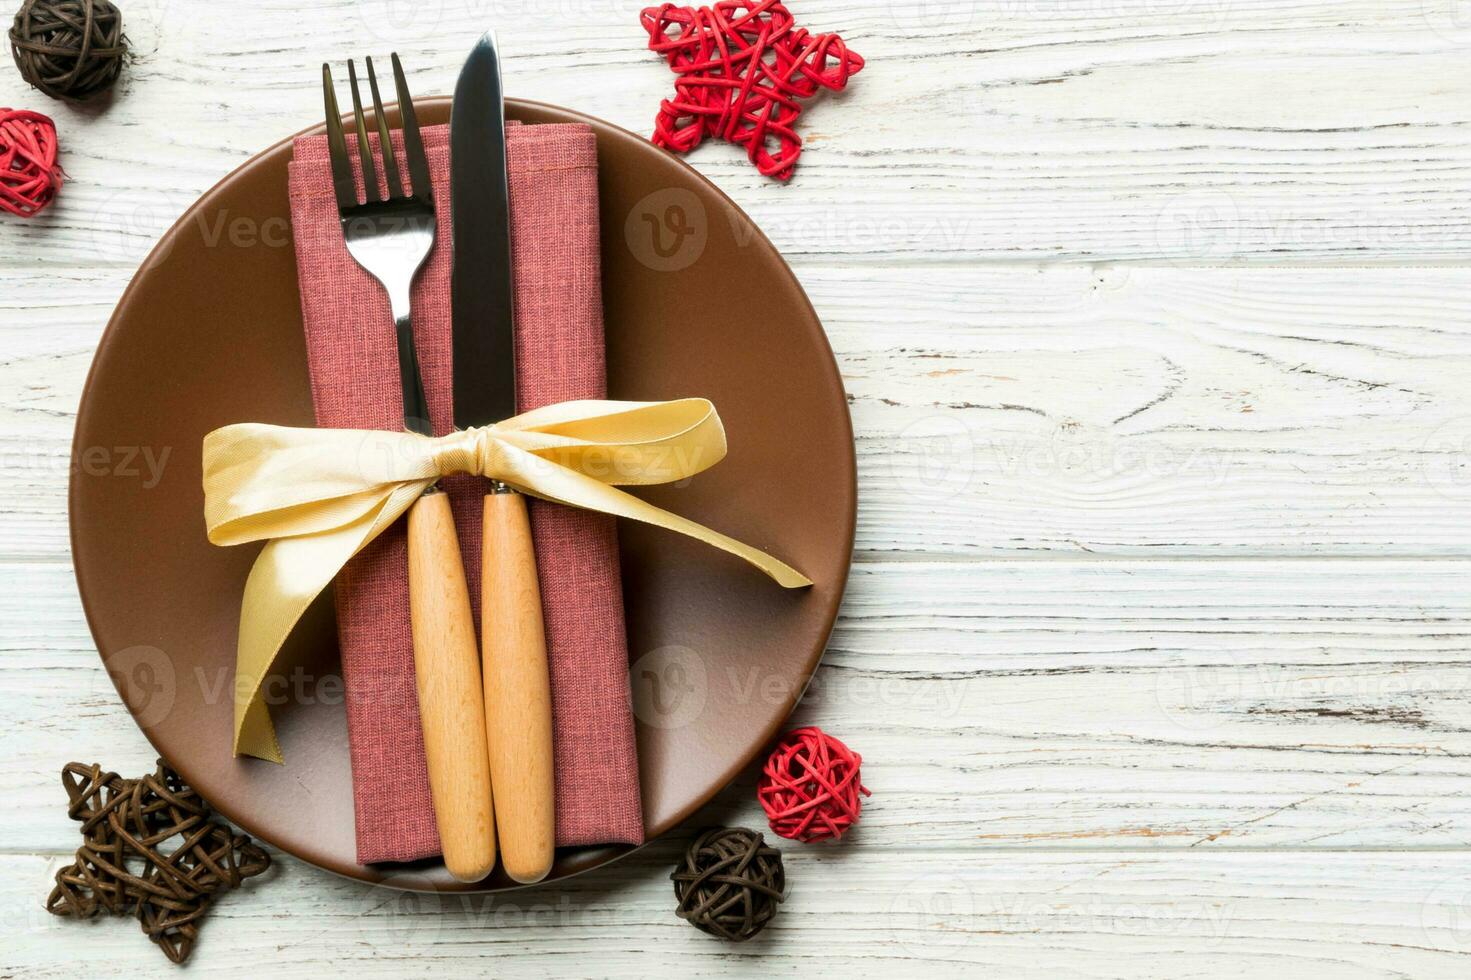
29 175
810 786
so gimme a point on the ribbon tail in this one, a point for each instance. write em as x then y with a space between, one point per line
286 578
574 489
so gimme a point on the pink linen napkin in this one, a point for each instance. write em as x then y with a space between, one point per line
560 356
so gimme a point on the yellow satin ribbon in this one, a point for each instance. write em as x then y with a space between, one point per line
319 496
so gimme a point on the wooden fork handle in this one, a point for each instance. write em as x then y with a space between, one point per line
518 699
447 672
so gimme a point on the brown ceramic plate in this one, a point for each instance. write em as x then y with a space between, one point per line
209 332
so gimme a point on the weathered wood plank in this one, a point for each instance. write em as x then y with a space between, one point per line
1121 704
1022 410
1199 131
854 909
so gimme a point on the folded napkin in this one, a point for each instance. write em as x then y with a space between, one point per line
354 372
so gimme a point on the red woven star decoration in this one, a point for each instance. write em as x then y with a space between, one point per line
29 175
809 786
742 66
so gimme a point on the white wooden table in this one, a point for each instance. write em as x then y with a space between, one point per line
1155 317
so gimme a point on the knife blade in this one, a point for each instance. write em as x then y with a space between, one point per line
482 303
517 688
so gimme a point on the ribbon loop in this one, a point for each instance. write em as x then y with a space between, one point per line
319 496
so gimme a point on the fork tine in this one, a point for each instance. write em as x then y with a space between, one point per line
413 143
347 194
370 172
385 144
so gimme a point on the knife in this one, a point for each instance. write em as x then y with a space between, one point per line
518 703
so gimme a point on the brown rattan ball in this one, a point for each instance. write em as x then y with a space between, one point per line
729 883
69 49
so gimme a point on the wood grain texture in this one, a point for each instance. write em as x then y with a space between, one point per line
1196 130
935 914
1155 320
1021 410
1016 704
518 693
447 678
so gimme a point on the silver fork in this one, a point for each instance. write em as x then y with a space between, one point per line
390 237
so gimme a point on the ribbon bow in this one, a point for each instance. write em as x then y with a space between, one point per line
319 496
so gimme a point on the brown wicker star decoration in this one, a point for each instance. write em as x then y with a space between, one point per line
151 849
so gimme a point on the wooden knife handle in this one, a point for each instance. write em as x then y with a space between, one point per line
518 697
447 672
